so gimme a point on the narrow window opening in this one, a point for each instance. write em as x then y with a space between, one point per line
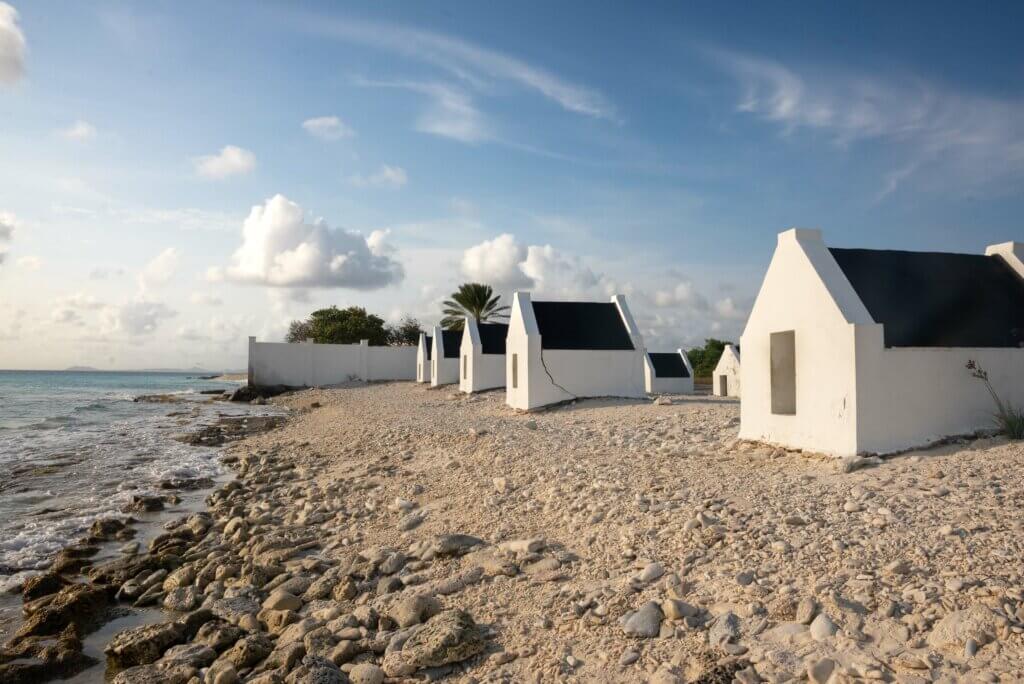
515 371
465 365
783 373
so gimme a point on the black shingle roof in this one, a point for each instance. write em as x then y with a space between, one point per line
452 340
581 325
492 337
668 365
430 346
930 299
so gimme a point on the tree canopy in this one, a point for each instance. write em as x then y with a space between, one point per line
350 325
472 300
704 359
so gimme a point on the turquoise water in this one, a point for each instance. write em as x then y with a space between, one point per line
75 447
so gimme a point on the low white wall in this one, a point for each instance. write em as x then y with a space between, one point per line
909 397
667 385
307 364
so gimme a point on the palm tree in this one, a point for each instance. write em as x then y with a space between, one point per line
472 300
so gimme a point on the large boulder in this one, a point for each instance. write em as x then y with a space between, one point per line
37 659
81 605
449 637
143 645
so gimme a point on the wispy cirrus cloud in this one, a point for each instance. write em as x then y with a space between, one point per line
386 177
474 64
961 138
328 128
451 112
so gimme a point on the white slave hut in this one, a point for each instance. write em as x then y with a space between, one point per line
482 356
857 350
444 356
726 376
668 373
423 354
559 351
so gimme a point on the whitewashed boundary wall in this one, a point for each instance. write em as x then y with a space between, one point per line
306 364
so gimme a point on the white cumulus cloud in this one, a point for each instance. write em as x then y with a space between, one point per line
160 268
12 45
497 262
386 177
230 161
328 128
138 317
78 131
280 249
684 294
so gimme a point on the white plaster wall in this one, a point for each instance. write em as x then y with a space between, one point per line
729 366
422 363
391 363
307 364
910 397
478 371
805 291
574 374
442 371
656 385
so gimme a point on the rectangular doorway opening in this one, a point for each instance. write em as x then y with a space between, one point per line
783 373
723 385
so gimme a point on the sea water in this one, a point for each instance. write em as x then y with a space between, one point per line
74 447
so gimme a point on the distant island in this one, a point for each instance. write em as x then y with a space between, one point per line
81 368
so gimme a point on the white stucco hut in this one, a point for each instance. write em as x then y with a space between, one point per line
482 356
444 356
423 354
668 373
725 379
855 350
558 351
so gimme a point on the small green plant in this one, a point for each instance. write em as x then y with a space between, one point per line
1009 419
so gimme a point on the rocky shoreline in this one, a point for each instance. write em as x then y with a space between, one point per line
394 533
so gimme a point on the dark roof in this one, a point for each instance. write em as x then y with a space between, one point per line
581 325
492 337
930 299
430 346
668 365
452 340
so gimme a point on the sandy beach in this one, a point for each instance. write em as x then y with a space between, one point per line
395 531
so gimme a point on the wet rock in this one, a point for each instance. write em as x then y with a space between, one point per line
182 599
36 659
448 637
82 605
42 585
143 503
143 645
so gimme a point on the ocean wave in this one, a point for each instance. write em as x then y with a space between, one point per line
53 423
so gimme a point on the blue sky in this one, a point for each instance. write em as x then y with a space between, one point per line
165 166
